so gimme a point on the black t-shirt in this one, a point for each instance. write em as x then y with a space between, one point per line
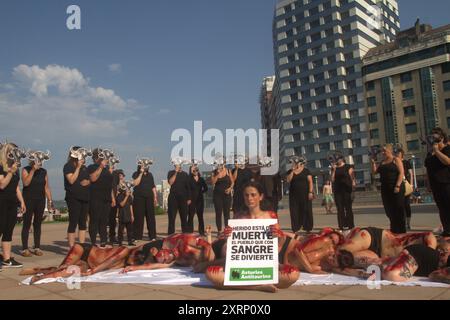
125 211
198 188
76 190
145 188
299 183
102 188
244 176
437 171
181 186
406 168
10 191
388 175
342 179
36 189
222 184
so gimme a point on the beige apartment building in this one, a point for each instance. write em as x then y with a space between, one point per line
407 90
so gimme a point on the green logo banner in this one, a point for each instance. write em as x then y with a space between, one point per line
251 274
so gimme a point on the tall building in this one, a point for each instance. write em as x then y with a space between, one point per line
318 50
268 110
407 89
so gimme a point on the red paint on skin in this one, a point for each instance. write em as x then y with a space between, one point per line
399 262
214 269
363 234
288 269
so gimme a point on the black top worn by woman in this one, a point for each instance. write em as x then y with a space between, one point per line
222 184
102 188
10 191
406 168
181 186
437 171
198 188
125 211
36 188
388 175
342 179
299 184
145 188
76 190
244 176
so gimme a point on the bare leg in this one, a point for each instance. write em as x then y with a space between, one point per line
71 239
287 276
441 275
82 236
33 271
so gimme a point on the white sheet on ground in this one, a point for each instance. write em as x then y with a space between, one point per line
184 276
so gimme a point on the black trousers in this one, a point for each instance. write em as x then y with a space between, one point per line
144 208
408 206
273 203
197 207
300 209
35 208
343 201
441 194
78 212
394 206
8 218
222 206
99 211
177 203
238 200
129 227
113 223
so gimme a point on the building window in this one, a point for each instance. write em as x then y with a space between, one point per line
355 128
354 114
356 143
332 73
406 77
350 70
328 19
322 118
310 148
408 94
314 24
447 104
307 107
374 134
351 84
339 145
331 59
411 128
337 130
446 67
373 117
316 37
448 122
413 145
348 56
447 85
358 159
307 121
336 115
306 94
335 101
370 85
294 110
371 101
324 146
313 11
334 87
311 163
347 28
353 98
308 135
323 133
409 111
322 104
296 136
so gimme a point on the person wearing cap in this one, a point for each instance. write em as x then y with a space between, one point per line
342 176
144 202
300 195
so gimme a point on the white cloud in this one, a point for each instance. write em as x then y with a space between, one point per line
115 67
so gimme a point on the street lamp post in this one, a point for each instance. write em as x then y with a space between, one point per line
414 171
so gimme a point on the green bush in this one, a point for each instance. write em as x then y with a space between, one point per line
159 211
64 218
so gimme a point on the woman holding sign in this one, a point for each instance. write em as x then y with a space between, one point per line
253 197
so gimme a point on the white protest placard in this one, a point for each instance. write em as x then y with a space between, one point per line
252 253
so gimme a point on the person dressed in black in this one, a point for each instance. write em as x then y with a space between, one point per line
198 188
35 189
145 200
101 197
273 190
222 180
126 213
438 170
392 188
300 195
242 175
408 176
117 176
76 184
179 198
342 176
10 197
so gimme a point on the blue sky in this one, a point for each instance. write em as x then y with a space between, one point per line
138 70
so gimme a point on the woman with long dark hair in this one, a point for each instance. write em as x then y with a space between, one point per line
76 184
392 188
10 196
438 170
35 189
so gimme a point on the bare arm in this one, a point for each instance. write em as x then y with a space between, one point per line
155 194
28 176
72 177
137 181
124 201
401 173
173 178
96 174
290 176
48 191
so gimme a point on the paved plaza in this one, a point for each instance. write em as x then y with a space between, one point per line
54 242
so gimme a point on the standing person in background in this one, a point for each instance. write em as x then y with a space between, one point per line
438 171
102 197
76 184
392 188
198 188
327 193
10 196
241 176
35 189
112 223
145 200
400 153
343 183
222 180
179 197
301 194
126 213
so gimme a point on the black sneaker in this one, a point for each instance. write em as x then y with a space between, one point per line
11 263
